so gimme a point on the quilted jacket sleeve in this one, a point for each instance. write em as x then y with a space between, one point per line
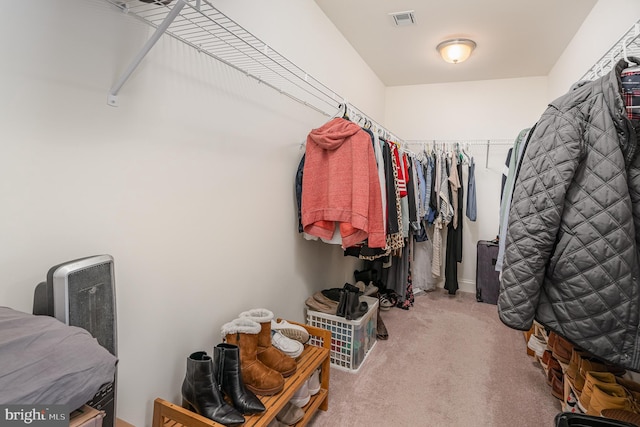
547 169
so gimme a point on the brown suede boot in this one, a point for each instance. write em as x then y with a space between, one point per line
268 354
257 377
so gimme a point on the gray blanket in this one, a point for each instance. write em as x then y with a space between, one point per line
43 361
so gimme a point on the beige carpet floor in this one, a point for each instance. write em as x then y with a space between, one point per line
449 362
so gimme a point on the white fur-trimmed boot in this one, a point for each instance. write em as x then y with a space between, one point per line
267 353
257 377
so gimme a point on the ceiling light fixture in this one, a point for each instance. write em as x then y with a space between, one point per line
456 50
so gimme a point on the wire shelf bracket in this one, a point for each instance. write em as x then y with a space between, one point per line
112 97
200 25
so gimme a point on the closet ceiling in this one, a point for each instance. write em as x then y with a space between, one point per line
516 38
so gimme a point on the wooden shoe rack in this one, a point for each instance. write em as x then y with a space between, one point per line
539 330
167 414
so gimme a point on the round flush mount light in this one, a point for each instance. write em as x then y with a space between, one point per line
456 50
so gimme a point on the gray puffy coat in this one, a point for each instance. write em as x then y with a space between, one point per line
571 259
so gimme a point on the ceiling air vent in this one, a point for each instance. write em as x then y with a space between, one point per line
403 18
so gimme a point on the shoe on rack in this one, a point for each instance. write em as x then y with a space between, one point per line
553 367
228 374
201 393
291 348
537 344
557 385
267 353
593 364
574 364
551 340
592 378
313 383
257 377
630 385
302 396
609 396
562 349
289 330
572 400
276 423
290 414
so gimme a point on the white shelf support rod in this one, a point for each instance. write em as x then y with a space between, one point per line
112 98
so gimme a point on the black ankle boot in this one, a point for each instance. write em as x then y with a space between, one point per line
226 366
200 392
355 309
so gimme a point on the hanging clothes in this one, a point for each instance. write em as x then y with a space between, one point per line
421 263
445 212
341 185
394 213
518 150
458 229
395 276
422 184
472 207
451 260
571 260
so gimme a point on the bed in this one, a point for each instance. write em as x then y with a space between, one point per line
44 361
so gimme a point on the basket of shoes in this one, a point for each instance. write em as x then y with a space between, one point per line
351 340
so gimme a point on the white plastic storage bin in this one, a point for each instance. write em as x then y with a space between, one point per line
351 340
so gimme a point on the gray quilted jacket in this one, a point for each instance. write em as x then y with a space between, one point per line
571 259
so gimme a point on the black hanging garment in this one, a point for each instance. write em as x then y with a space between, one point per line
454 240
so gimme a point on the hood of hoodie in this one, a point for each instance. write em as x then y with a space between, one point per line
334 133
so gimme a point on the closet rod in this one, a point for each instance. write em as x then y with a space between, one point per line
361 120
478 142
628 43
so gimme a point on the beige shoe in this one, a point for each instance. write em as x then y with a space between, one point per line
289 330
315 305
290 414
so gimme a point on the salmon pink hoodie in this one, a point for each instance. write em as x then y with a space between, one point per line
340 185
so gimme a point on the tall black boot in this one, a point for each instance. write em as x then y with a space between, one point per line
227 371
200 392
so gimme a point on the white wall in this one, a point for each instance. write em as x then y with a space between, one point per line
188 184
608 21
479 110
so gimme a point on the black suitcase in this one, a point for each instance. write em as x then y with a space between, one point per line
487 278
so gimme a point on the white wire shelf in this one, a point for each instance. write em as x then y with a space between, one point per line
200 25
628 44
